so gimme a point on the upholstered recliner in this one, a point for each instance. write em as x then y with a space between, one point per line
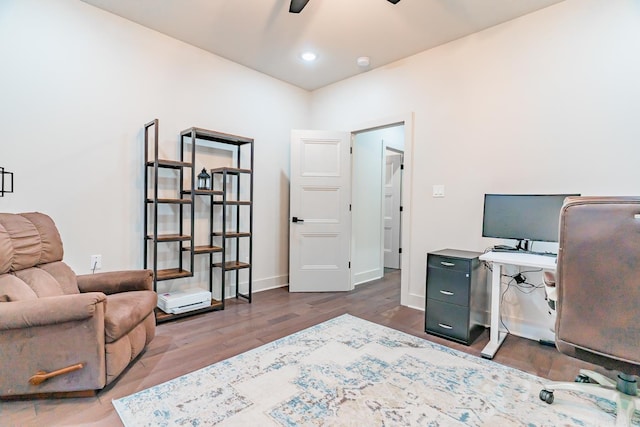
60 332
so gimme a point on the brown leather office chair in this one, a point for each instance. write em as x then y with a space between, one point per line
62 333
598 284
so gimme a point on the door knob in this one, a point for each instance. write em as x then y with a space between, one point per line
296 219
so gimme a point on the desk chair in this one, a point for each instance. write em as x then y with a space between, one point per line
598 285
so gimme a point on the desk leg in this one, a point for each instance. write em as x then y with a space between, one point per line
496 336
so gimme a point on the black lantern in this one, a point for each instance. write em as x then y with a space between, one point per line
204 180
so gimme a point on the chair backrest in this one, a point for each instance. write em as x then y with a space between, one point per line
598 281
31 258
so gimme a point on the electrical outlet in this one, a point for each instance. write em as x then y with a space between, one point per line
438 190
96 262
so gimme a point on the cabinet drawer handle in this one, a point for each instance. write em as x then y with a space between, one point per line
447 293
442 325
447 264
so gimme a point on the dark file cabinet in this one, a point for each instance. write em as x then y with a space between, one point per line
457 295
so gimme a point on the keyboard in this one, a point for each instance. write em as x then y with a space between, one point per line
519 251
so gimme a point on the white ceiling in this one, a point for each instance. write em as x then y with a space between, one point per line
264 36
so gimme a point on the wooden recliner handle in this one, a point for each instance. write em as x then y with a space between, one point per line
42 376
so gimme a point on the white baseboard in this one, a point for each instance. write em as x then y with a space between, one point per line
270 283
367 276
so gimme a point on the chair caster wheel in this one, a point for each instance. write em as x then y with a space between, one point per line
581 378
546 396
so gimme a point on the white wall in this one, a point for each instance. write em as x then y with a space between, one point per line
366 215
77 84
542 104
545 103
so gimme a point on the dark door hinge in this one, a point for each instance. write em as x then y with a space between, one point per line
400 208
401 166
400 250
349 264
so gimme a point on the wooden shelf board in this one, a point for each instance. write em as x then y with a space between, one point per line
231 234
233 202
172 164
161 316
205 249
205 192
211 135
232 265
170 237
173 201
172 273
230 171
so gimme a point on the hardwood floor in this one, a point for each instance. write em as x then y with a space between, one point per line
195 342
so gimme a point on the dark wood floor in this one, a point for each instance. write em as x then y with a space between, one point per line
195 342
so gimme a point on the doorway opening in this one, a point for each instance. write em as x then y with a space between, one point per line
376 202
322 247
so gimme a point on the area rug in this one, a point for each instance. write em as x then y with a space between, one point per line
351 372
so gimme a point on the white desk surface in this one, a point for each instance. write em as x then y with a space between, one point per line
521 259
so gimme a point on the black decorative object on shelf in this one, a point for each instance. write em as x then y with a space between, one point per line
204 180
6 182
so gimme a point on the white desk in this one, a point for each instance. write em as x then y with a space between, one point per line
500 259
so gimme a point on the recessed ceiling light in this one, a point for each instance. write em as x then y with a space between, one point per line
309 56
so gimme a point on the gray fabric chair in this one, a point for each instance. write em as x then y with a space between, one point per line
59 332
598 285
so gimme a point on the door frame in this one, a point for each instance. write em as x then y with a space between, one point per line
401 154
407 297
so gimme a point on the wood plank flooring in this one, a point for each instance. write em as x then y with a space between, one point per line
194 342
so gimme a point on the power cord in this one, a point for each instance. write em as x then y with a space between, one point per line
519 282
502 302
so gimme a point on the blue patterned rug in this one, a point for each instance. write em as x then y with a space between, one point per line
351 372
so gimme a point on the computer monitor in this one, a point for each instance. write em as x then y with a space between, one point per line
522 217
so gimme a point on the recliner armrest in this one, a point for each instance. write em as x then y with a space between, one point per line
114 282
49 310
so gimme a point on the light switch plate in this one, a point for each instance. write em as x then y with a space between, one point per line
438 190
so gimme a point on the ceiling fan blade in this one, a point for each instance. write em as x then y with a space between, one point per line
394 1
297 5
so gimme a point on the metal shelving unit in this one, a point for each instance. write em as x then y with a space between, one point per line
222 199
228 200
228 263
152 203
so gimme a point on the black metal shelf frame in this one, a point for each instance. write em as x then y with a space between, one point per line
154 237
9 179
219 197
188 194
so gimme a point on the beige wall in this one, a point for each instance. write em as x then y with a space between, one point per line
542 104
77 84
545 103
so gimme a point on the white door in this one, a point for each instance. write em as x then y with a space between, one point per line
320 220
392 196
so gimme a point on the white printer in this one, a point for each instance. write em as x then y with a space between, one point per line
183 300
